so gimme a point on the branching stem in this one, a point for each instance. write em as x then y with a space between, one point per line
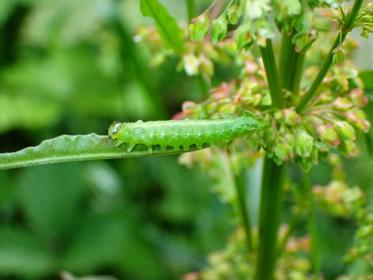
272 75
241 192
345 29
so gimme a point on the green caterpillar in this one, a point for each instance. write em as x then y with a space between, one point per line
183 134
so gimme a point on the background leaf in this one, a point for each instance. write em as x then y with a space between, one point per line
24 254
166 24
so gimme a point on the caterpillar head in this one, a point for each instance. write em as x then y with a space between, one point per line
114 129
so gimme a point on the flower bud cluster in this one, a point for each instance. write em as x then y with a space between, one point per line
332 121
364 20
338 199
199 57
363 243
292 265
221 166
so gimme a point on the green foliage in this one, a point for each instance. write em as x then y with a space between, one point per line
18 247
74 148
74 67
166 24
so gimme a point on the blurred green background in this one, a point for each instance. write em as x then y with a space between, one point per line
71 67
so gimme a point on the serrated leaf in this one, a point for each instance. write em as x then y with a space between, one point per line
166 24
67 148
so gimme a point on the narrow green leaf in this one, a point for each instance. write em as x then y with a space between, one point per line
166 24
74 148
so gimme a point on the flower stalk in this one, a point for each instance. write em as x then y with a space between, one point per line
272 75
290 73
241 191
345 29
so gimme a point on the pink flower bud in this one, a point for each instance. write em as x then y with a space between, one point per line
358 97
345 130
328 134
342 104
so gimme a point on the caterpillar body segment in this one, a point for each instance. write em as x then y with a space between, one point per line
183 134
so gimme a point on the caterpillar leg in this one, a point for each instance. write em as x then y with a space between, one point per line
130 147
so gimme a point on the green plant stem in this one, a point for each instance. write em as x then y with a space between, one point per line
272 75
271 187
269 219
287 58
346 28
298 73
274 175
282 243
204 86
192 8
291 63
241 191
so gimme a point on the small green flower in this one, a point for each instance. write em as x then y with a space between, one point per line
303 143
345 130
283 150
357 118
257 8
328 135
351 148
339 55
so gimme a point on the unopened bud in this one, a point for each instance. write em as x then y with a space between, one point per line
345 130
199 27
234 12
358 97
191 64
206 66
290 116
227 109
283 151
342 103
243 39
328 134
219 29
339 55
358 119
303 144
188 106
351 148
